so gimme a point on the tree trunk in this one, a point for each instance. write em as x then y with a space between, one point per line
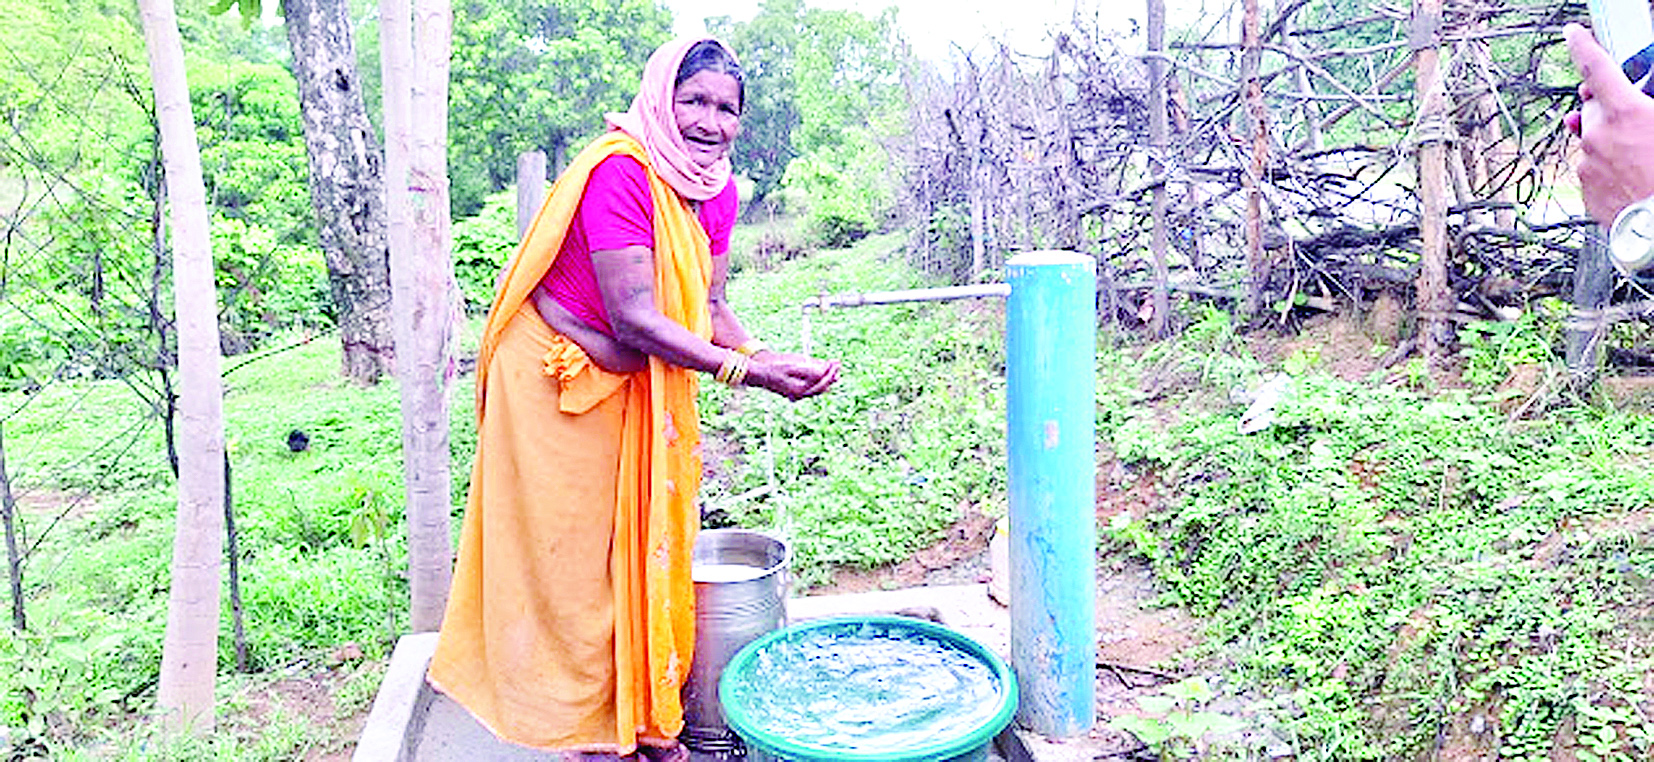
1161 299
189 655
416 81
1257 128
233 553
1434 299
1307 110
14 558
346 184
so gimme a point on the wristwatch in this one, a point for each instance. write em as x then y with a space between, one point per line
1631 240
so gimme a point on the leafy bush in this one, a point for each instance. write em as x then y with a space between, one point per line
847 193
482 246
266 286
1492 349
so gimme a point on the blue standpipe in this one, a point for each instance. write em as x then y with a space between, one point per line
1051 330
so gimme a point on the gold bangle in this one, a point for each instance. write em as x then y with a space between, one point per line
728 368
752 346
739 375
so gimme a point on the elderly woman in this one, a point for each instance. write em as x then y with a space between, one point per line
570 625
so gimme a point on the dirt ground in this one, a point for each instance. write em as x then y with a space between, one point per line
309 696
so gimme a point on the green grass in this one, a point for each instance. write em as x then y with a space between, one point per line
1374 567
1380 564
911 436
865 475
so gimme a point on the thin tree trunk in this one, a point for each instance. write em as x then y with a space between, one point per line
1434 299
346 184
1257 262
189 655
979 227
237 618
1161 298
166 406
14 559
531 188
416 81
1308 110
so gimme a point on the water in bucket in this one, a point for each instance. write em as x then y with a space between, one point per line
868 689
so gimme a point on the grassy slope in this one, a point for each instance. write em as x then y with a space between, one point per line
1380 568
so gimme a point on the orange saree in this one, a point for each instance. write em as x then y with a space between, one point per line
570 624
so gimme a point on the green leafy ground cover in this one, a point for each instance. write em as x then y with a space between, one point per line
1375 571
1390 575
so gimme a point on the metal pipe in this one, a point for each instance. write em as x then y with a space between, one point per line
1051 330
909 295
895 297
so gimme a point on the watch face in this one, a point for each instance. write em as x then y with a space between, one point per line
1631 244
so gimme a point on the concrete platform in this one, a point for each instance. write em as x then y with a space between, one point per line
410 722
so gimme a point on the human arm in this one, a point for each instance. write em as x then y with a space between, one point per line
603 349
626 281
1615 124
728 332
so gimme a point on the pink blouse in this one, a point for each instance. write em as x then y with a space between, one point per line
616 212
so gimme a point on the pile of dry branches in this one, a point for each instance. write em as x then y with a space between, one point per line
1305 158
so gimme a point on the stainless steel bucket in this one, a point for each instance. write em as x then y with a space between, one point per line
740 589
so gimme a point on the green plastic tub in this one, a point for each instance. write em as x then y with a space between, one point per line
867 689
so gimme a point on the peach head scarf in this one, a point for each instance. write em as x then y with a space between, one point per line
650 120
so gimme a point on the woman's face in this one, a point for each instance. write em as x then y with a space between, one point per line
707 107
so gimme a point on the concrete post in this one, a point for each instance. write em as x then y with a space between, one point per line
1051 327
531 188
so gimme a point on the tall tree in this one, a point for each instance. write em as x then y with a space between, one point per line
766 46
189 655
539 75
346 181
823 92
14 558
415 55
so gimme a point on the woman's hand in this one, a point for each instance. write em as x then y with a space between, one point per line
792 376
604 350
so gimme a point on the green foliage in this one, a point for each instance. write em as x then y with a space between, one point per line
482 246
1380 562
538 74
848 99
821 94
1175 723
86 290
1492 349
270 274
767 47
912 435
252 146
321 538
